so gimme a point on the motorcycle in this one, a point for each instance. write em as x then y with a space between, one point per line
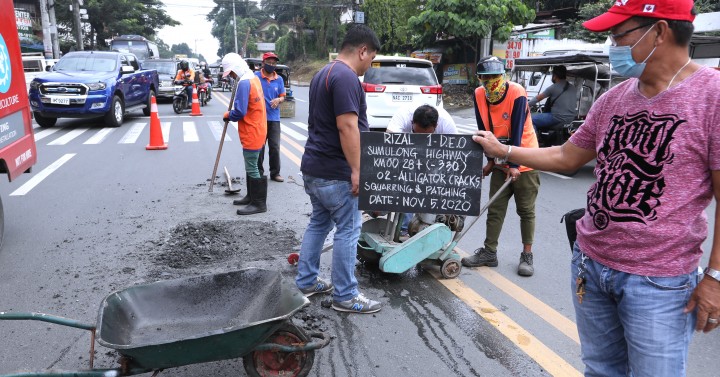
180 99
204 92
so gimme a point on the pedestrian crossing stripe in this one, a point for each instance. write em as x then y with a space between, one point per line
190 132
295 130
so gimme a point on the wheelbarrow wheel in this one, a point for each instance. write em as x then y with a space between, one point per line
276 363
450 268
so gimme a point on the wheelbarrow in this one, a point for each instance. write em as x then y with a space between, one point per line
435 244
195 320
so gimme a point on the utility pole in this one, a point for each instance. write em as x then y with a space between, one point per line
235 26
53 30
45 20
78 24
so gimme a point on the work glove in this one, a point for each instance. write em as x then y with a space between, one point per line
226 117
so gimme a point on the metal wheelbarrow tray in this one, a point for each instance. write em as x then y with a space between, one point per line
195 320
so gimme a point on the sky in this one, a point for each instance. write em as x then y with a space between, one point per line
194 29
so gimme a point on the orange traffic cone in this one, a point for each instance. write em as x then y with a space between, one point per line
156 137
195 103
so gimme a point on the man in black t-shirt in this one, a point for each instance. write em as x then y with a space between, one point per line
331 171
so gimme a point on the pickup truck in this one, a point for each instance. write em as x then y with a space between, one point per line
92 84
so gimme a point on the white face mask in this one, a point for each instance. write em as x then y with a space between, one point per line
623 62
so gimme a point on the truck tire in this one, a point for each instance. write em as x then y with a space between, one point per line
43 121
114 117
146 110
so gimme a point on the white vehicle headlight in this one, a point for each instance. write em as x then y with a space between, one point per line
97 86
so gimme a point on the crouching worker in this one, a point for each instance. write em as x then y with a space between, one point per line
249 112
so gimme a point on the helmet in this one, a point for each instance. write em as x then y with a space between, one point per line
490 65
184 65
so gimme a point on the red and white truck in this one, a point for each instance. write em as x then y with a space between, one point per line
17 142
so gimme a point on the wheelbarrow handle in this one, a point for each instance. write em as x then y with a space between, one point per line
323 341
63 373
459 236
45 318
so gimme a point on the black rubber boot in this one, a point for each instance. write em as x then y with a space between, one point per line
247 199
258 192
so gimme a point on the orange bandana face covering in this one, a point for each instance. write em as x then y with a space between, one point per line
494 88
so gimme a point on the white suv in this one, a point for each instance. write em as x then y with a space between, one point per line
393 82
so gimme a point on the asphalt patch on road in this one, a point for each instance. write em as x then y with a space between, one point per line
216 246
211 242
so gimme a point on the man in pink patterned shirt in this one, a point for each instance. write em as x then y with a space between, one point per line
656 139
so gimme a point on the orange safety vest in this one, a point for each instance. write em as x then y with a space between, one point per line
252 128
510 117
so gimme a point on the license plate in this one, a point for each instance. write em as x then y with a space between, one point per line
402 97
59 101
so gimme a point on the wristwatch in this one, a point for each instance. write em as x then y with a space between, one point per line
713 273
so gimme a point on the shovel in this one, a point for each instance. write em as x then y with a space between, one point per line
229 190
222 140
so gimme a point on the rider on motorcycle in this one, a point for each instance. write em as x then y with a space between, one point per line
185 73
207 75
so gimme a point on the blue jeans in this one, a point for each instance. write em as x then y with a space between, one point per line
333 205
542 121
632 325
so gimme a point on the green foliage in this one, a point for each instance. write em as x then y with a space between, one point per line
248 16
182 49
575 30
164 49
388 18
470 20
108 18
707 6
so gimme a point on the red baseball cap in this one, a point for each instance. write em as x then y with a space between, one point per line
680 10
270 55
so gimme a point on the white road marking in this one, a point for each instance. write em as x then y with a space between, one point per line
301 125
292 133
37 178
45 133
466 128
62 140
556 175
165 126
298 99
133 133
190 132
216 129
100 136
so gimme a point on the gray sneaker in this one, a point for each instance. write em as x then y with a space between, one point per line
358 304
525 268
482 257
321 286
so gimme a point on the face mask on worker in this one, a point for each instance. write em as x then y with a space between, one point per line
494 88
623 62
269 68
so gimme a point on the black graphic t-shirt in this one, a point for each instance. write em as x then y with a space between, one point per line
645 212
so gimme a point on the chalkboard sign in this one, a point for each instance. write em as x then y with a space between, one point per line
420 173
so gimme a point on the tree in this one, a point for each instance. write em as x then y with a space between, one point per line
575 30
470 20
108 18
164 49
388 18
248 15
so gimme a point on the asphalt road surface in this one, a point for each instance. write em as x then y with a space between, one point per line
101 213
